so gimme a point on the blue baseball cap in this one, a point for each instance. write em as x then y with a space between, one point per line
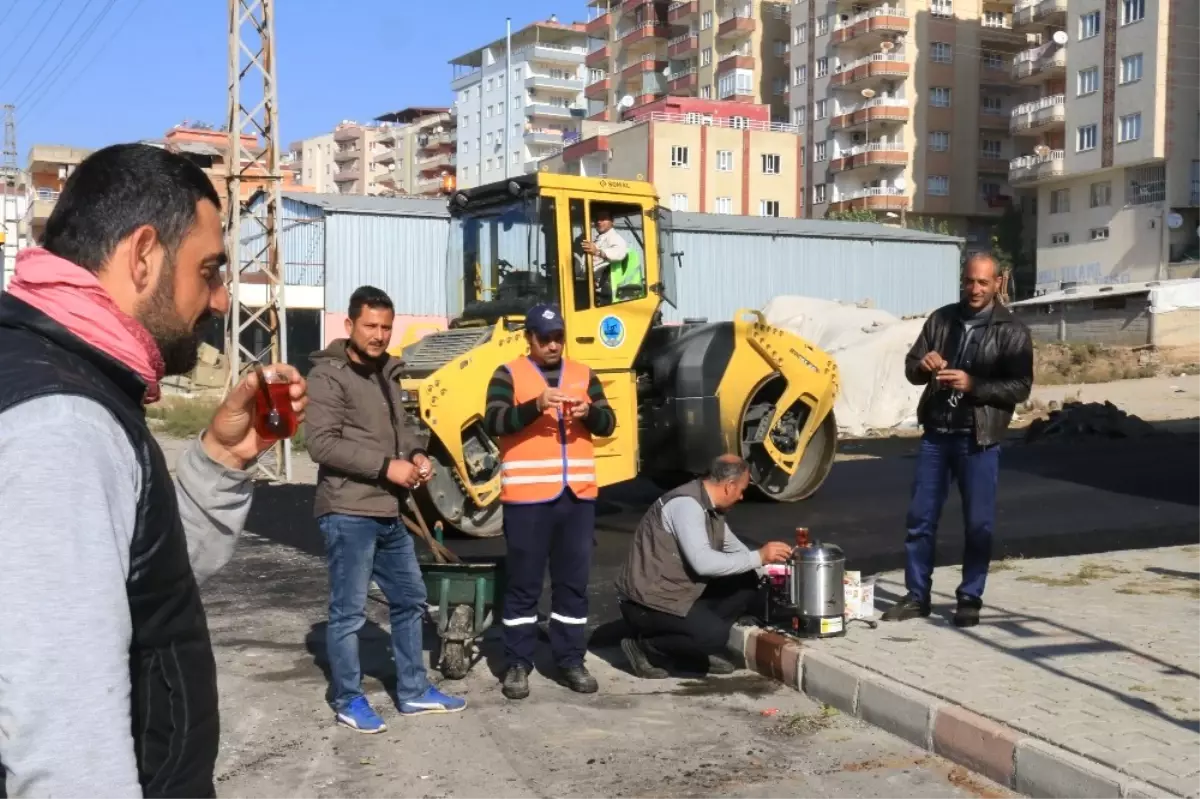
543 320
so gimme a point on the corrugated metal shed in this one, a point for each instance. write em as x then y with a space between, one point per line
400 243
302 240
732 262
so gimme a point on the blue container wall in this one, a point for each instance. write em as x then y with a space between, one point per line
302 239
403 255
724 272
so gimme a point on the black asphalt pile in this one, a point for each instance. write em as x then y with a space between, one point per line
1087 420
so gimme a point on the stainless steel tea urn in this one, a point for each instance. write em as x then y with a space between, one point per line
816 591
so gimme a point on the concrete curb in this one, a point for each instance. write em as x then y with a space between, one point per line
1012 758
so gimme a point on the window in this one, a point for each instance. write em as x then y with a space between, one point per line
706 20
500 107
488 164
679 202
706 92
800 34
939 140
770 164
800 74
1098 234
994 19
1085 138
942 53
939 96
1060 238
592 282
822 26
1101 194
820 109
488 140
991 105
1132 11
768 208
706 56
465 144
992 60
515 158
1060 201
990 148
820 151
941 8
1131 128
1089 80
724 205
679 155
724 160
1131 68
822 67
938 185
781 48
819 193
798 114
1089 25
739 123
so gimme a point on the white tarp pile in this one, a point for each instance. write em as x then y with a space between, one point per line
1175 295
869 346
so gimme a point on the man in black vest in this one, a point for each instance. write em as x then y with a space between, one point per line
687 578
102 555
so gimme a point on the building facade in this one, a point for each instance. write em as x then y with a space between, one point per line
508 122
1110 145
46 173
730 50
701 155
419 151
314 157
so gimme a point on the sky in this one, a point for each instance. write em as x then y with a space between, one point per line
88 73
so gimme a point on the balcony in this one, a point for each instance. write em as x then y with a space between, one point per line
597 27
41 203
599 57
647 63
1040 64
343 154
1047 113
683 81
387 135
736 27
680 13
875 67
435 139
683 46
870 27
879 154
878 110
436 163
544 137
993 162
573 85
385 156
347 173
555 54
997 30
547 110
347 133
598 89
1032 168
874 199
1039 12
733 61
996 72
994 118
644 33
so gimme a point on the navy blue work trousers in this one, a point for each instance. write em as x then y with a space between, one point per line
561 532
977 471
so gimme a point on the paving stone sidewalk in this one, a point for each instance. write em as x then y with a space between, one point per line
1095 655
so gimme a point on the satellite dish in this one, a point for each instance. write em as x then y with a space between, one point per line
887 47
667 70
1174 221
1041 150
900 183
626 102
1060 38
868 93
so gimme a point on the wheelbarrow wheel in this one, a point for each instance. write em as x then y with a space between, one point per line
454 661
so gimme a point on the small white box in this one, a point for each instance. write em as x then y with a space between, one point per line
860 595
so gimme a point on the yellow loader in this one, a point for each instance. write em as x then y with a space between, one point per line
682 393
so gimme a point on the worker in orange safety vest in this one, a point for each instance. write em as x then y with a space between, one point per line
544 410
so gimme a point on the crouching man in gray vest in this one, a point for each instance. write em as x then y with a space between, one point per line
688 579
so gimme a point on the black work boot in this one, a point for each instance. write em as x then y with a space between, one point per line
578 679
720 666
908 608
640 662
516 682
967 612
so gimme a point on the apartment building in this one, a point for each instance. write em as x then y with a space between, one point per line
729 50
508 122
1110 145
46 173
905 105
314 157
419 152
701 155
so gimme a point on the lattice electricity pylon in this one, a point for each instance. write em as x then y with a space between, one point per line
252 235
10 174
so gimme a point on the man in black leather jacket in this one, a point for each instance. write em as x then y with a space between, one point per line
976 362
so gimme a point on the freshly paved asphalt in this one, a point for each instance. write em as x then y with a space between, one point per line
1080 497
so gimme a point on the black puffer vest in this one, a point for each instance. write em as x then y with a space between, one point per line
171 668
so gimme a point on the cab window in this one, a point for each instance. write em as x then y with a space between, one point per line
608 253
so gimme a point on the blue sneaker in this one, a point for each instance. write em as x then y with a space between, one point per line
432 701
358 715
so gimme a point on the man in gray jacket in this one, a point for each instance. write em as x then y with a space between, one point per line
687 578
369 456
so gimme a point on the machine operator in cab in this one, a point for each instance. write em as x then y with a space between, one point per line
614 262
544 409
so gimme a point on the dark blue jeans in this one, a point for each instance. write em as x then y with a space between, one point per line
357 549
977 470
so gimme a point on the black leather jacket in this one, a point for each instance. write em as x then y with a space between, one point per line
1001 375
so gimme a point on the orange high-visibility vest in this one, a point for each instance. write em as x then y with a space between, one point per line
552 453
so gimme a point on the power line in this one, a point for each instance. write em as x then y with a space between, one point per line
48 79
33 41
37 73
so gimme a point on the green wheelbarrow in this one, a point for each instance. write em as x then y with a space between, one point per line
468 595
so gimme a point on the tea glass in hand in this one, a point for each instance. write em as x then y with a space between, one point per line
274 418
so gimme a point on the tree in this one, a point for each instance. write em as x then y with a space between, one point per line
855 215
1008 250
911 222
